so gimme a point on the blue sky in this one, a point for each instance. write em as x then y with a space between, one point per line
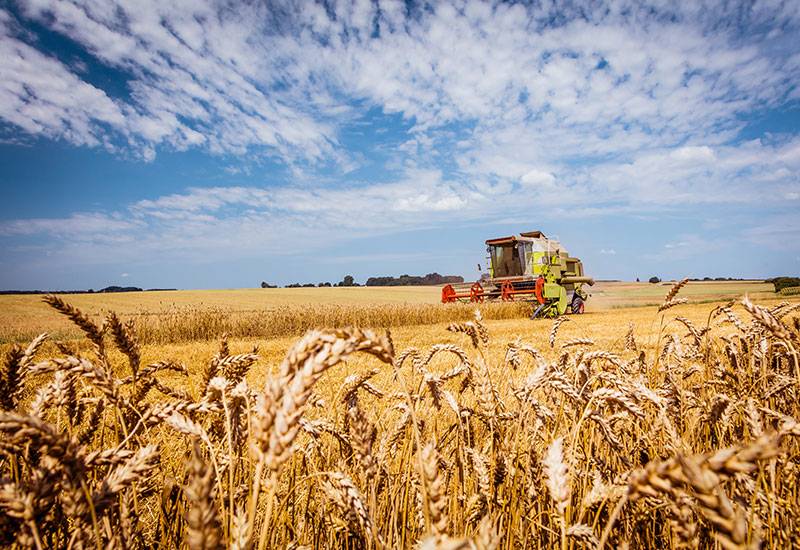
212 145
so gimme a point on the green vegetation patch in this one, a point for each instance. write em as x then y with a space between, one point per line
784 282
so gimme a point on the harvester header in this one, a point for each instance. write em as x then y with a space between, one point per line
529 267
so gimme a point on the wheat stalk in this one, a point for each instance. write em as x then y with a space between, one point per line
674 290
554 330
202 517
435 503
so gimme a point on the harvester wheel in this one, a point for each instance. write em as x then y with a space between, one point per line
577 305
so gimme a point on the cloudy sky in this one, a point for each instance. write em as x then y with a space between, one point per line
192 145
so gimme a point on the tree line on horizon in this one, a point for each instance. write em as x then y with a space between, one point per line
402 280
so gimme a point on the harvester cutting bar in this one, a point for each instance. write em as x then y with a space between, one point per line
509 290
462 292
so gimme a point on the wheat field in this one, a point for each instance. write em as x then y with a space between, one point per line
164 317
671 425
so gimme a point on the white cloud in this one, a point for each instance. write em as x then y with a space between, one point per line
607 79
538 178
42 97
693 155
246 221
81 226
689 246
206 199
600 109
779 232
199 76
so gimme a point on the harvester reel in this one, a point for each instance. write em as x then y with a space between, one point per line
507 291
461 292
476 292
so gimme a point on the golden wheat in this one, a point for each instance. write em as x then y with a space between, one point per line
689 441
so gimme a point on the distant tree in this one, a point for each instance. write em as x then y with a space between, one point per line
410 280
784 282
264 284
654 280
114 288
637 279
347 281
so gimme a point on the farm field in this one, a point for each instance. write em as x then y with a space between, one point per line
196 314
623 426
606 328
612 308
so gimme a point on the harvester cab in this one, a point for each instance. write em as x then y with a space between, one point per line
529 267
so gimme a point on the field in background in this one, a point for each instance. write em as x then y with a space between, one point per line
611 295
177 316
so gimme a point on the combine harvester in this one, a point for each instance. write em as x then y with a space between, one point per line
528 267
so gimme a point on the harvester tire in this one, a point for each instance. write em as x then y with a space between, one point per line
577 305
